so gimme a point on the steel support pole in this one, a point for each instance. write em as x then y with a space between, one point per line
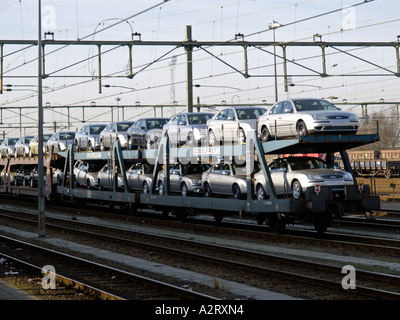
41 200
1 68
189 71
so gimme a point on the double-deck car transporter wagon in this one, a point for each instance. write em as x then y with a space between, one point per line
319 204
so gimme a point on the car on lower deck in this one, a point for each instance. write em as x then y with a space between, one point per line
185 179
293 175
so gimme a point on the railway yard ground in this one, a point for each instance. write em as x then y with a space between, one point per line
213 279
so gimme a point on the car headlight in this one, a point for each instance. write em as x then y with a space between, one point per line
347 176
196 182
314 177
353 117
319 117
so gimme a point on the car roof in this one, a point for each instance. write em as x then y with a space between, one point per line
301 157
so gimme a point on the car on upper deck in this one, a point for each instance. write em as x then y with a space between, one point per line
116 130
188 127
7 148
60 141
88 137
146 132
301 117
22 146
230 124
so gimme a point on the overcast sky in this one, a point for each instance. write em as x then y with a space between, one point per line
72 73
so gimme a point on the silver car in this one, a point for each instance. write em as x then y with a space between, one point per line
7 148
292 175
226 179
88 138
231 124
60 141
184 179
146 132
85 174
188 127
303 117
114 131
22 146
105 178
140 176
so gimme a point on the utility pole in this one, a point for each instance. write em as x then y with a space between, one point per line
41 200
189 71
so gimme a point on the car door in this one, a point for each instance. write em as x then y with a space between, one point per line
273 119
141 132
173 130
279 176
218 123
175 177
133 176
287 120
182 128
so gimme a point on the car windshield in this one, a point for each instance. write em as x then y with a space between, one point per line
67 136
312 105
199 118
46 137
244 114
240 169
12 141
307 163
97 129
124 126
195 168
156 123
28 139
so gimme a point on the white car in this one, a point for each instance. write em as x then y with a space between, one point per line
292 175
302 117
22 146
60 141
114 131
188 127
88 137
231 124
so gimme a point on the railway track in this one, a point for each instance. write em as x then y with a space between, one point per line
98 280
263 269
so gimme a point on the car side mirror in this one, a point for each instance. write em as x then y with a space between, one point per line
230 118
226 172
288 110
175 172
143 128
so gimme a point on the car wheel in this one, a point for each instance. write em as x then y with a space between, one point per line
212 139
148 144
207 190
265 135
236 192
297 190
184 190
146 188
260 192
160 188
189 139
241 136
302 129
